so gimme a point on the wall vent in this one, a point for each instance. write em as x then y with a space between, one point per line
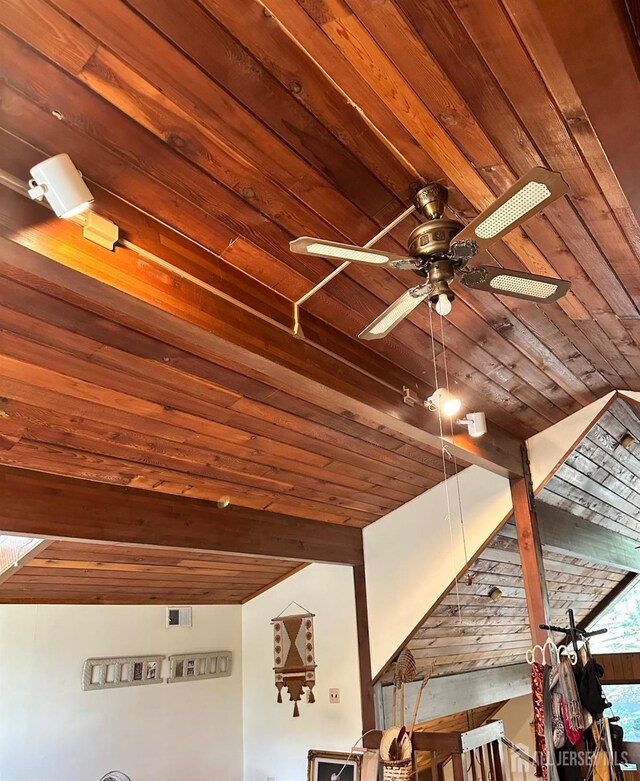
178 616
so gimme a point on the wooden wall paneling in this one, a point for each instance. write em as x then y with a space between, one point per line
621 668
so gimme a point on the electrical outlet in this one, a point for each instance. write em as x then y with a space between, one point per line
334 696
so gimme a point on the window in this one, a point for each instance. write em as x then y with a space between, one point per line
622 619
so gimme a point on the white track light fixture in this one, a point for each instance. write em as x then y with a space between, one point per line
59 181
476 422
444 401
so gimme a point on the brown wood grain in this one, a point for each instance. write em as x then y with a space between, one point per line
212 138
501 136
41 504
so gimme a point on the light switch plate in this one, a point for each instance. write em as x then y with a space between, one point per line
334 696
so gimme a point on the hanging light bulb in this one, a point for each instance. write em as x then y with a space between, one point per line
443 305
445 402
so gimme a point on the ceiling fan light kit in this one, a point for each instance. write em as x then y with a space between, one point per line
439 250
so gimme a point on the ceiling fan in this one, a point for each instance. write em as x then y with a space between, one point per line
439 250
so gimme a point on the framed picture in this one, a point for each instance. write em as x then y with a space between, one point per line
322 765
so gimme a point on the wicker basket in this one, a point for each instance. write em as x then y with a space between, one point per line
400 770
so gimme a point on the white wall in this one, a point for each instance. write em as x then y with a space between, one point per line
517 715
51 730
413 553
275 743
549 448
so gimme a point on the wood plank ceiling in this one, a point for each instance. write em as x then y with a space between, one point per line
87 396
599 480
243 130
83 573
212 138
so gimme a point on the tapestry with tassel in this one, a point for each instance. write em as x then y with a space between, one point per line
294 657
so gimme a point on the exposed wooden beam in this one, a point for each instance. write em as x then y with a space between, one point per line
367 703
449 694
225 330
533 575
620 668
43 505
568 534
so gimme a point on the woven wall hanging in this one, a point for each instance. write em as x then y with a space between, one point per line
294 656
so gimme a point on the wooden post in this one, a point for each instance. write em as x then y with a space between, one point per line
434 766
459 768
362 622
535 584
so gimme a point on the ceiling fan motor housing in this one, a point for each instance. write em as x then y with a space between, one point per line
432 239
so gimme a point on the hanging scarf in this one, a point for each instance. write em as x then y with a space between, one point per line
574 735
571 699
537 688
557 721
547 698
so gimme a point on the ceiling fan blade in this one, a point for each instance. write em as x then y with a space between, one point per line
520 284
306 245
527 197
391 316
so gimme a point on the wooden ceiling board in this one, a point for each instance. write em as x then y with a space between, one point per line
600 479
213 138
83 573
318 119
178 419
